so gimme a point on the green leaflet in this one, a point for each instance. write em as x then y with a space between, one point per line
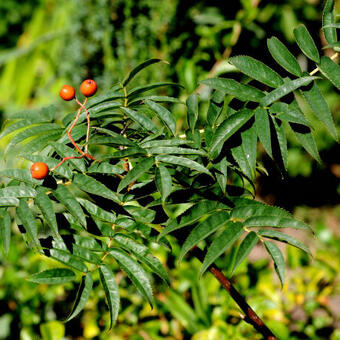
135 272
212 223
140 214
276 235
276 222
305 137
279 262
141 119
46 207
83 295
163 181
234 88
166 150
262 126
67 258
165 115
228 127
98 100
320 107
290 113
17 191
221 174
53 276
105 168
283 57
191 215
65 197
328 20
220 244
128 152
33 131
86 254
142 254
137 171
91 185
192 111
245 208
20 175
182 161
23 123
113 138
257 70
88 243
160 99
5 229
247 245
282 140
111 292
215 107
330 70
96 211
165 143
9 202
27 219
139 68
245 153
306 43
141 89
288 87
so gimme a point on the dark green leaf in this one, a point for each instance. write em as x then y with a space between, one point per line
262 125
65 197
83 295
247 245
137 171
163 181
86 254
65 151
135 272
257 70
5 229
204 229
167 150
182 161
288 87
96 211
9 202
27 219
282 140
330 70
236 89
276 222
46 207
53 276
283 57
221 174
91 185
139 68
67 258
111 292
141 119
277 235
229 127
320 107
137 90
165 115
192 111
17 191
165 142
328 21
290 113
279 261
221 243
306 43
20 175
105 168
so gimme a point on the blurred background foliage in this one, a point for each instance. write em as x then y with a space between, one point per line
45 44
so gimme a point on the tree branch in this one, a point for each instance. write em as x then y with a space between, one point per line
250 316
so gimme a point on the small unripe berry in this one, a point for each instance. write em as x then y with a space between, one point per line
88 87
39 170
67 92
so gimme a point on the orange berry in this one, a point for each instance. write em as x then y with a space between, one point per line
39 170
88 87
67 92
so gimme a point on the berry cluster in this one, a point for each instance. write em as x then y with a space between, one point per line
88 88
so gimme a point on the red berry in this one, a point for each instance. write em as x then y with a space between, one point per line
67 92
39 170
88 87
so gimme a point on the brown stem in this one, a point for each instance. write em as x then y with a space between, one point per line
250 316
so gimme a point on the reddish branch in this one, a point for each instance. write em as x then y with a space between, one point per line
250 316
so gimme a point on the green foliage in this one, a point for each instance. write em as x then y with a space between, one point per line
107 212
